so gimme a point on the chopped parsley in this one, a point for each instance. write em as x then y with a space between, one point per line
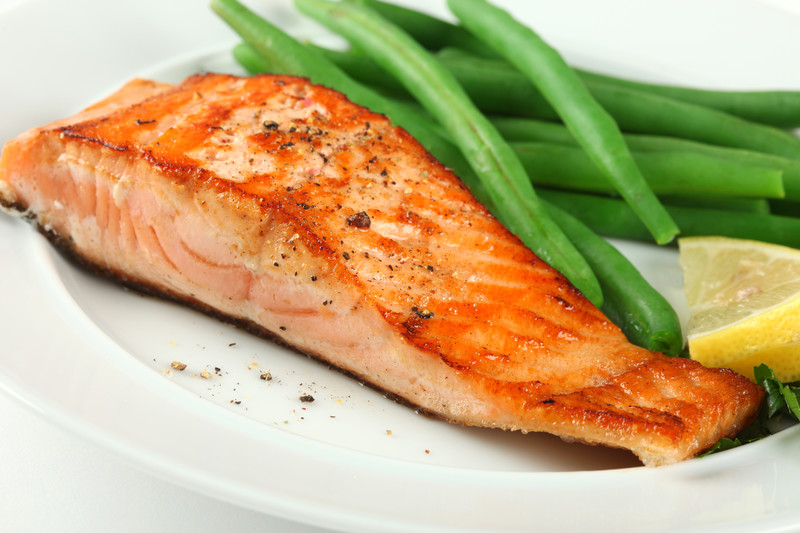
780 408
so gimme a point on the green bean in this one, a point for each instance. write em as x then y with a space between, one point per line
279 52
519 96
789 167
255 63
530 130
434 33
483 81
612 218
361 67
506 82
775 108
644 315
252 61
493 161
284 53
789 208
516 129
641 112
486 79
744 205
687 174
592 127
634 111
519 129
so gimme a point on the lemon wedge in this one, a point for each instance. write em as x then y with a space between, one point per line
744 304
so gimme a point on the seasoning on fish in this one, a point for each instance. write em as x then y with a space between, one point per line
285 208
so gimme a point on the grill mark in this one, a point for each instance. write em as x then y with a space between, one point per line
469 239
451 214
67 132
393 284
467 254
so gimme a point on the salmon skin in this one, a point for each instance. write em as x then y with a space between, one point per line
282 206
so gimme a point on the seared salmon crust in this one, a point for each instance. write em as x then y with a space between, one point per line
281 205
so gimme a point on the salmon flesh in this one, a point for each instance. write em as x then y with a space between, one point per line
282 206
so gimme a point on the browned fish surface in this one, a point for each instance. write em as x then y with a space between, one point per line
282 205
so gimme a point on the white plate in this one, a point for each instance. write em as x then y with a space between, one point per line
96 359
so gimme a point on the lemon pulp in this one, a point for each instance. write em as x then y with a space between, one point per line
744 304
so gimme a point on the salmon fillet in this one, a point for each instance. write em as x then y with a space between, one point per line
282 206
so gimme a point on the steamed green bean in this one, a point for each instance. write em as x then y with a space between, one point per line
531 130
612 218
775 108
675 173
643 314
589 123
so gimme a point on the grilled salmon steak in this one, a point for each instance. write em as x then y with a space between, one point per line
282 206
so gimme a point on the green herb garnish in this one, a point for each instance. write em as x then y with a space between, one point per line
780 408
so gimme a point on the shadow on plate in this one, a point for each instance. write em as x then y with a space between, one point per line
556 454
